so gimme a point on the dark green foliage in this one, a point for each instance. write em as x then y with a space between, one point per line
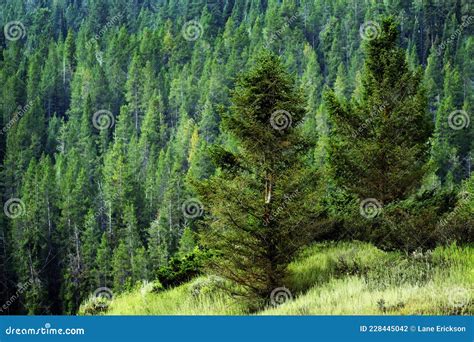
408 224
157 287
253 222
95 306
379 143
458 223
183 268
103 198
379 152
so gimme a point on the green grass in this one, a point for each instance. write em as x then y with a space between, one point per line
334 278
182 300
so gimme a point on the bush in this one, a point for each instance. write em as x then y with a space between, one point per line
415 269
348 264
203 286
150 287
425 220
181 269
156 287
94 306
406 225
416 223
459 223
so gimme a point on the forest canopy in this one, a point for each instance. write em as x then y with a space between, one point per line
160 140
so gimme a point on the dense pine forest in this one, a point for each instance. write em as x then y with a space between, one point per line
155 141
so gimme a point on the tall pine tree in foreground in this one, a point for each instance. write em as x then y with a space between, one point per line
379 143
260 202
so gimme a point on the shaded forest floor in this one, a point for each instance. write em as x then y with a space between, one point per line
332 278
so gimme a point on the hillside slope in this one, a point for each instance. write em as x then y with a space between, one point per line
331 278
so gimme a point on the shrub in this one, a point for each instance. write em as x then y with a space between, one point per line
94 306
156 287
416 223
150 287
459 223
384 308
348 264
416 268
181 269
203 286
405 225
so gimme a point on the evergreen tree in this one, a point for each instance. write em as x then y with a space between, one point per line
103 262
252 224
90 242
379 144
187 242
97 196
36 239
158 250
121 268
454 133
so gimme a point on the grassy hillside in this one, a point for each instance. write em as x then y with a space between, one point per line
332 278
